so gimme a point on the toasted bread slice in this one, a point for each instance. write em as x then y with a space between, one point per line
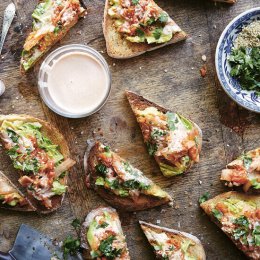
51 22
119 183
54 139
120 48
244 171
102 235
226 1
172 244
11 197
238 216
173 140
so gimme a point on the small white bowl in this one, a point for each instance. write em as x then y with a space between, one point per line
50 61
247 99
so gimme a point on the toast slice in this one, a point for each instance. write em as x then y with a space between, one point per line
173 140
11 198
244 171
102 235
238 216
119 183
40 154
52 19
121 44
226 1
172 244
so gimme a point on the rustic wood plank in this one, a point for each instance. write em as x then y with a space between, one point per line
227 129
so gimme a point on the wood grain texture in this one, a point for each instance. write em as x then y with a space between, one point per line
169 76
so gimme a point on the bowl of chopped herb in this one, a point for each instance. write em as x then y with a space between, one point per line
238 59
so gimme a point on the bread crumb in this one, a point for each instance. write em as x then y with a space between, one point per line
204 58
158 221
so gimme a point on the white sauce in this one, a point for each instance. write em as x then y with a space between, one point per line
77 83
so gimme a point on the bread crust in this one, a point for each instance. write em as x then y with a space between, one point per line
198 249
27 207
206 206
139 102
57 138
120 48
125 204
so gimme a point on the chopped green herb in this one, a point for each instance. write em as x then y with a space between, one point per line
70 246
107 249
172 120
240 233
255 184
152 148
103 225
217 214
157 33
256 235
140 33
76 223
150 21
13 135
247 160
135 2
107 149
156 133
204 197
242 221
245 64
101 168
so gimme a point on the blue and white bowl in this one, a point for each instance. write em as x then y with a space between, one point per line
246 99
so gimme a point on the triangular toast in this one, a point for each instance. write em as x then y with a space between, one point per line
238 216
244 171
119 183
11 197
120 48
102 235
51 22
172 244
173 140
26 140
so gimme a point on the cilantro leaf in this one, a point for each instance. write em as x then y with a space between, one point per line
101 168
75 223
70 246
135 2
107 249
204 197
217 214
157 33
245 67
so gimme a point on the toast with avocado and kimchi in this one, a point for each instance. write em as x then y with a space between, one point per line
52 19
173 140
102 235
133 27
238 216
172 244
41 155
119 183
244 171
11 197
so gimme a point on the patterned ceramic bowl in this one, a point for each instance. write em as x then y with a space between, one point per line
247 99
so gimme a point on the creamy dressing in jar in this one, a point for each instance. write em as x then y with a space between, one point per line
74 81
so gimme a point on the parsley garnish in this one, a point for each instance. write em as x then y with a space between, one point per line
135 2
152 148
156 133
103 225
101 168
217 214
140 32
107 249
247 160
204 197
76 223
245 64
70 246
157 33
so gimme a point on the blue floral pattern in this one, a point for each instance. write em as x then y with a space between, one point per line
247 99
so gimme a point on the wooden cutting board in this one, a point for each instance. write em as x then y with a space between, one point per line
168 76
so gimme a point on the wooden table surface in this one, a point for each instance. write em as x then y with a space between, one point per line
169 76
